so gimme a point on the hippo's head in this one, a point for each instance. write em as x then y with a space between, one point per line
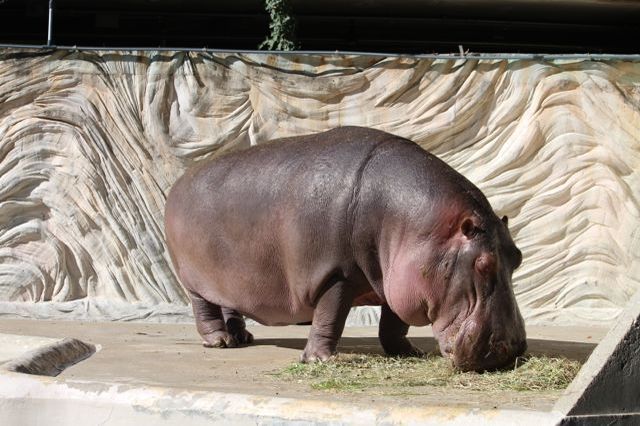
461 284
478 323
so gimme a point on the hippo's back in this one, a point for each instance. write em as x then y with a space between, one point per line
308 174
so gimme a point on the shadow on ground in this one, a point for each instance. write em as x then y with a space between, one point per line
370 345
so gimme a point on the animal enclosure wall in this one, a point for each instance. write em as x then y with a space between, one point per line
90 143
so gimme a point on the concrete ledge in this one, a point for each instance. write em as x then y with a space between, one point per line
52 358
43 400
13 346
607 387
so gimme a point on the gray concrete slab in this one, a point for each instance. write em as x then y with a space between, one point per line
164 366
52 358
37 400
14 345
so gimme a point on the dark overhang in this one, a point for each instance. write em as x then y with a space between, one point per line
400 26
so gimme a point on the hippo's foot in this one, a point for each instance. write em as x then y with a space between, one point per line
401 348
316 354
223 339
243 337
219 339
236 326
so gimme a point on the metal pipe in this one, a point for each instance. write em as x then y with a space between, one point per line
468 56
50 25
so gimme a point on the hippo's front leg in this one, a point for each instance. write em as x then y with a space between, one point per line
329 317
393 335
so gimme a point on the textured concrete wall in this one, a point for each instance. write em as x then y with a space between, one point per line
90 143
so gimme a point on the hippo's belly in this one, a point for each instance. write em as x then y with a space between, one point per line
238 278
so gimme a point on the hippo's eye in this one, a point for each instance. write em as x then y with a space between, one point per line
469 229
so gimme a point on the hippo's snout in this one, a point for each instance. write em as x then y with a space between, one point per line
493 356
500 354
473 350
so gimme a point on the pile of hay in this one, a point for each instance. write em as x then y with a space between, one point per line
350 372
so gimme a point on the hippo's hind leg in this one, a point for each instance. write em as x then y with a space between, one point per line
236 326
329 317
210 323
393 335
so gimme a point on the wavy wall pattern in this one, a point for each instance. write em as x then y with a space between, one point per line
90 143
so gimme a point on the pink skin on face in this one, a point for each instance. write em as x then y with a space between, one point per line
455 293
415 283
404 290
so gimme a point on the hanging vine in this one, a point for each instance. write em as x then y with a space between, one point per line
282 27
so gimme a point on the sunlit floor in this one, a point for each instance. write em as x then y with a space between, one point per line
171 355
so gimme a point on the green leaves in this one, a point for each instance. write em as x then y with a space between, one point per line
282 27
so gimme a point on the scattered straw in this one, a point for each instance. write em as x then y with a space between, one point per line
349 372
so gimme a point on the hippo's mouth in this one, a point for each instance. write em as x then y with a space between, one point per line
460 336
453 347
474 348
450 337
456 339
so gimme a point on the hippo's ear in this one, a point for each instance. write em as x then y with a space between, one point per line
505 220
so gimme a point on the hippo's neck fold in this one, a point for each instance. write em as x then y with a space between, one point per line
362 217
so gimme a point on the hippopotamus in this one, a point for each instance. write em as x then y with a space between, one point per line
303 228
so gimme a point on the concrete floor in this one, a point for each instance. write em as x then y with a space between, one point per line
171 356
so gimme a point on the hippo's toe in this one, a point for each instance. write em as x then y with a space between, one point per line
219 339
243 337
316 355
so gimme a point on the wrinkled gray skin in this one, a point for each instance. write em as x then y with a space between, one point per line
302 229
